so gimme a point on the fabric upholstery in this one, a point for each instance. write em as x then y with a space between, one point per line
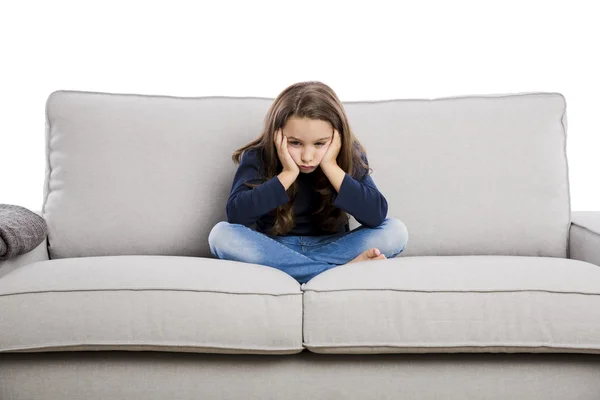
584 237
21 230
161 303
40 253
150 175
158 376
454 304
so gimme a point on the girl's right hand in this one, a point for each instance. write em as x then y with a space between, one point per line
284 156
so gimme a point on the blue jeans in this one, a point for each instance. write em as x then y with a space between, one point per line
304 257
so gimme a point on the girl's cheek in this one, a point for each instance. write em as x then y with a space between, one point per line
293 152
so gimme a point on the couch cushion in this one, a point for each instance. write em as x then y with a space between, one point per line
454 304
150 303
141 174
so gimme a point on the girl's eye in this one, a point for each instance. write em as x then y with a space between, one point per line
296 143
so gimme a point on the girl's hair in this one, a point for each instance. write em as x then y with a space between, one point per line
313 100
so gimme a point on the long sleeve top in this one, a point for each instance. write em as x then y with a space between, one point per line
358 196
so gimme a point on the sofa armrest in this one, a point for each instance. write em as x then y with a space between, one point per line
584 236
40 253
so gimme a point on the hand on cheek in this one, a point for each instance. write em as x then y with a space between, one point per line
333 149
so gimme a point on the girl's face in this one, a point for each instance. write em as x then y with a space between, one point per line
307 141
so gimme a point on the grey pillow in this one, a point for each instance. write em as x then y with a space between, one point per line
21 231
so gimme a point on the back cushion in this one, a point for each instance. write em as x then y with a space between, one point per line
140 174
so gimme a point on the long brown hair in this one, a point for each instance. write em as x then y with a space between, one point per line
314 100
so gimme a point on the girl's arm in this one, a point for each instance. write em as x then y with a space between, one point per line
245 205
362 200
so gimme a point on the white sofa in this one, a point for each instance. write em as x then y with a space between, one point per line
497 295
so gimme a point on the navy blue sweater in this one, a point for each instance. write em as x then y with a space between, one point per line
246 206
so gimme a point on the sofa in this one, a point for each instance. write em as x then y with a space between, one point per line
496 296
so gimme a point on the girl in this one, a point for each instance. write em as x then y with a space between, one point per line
297 182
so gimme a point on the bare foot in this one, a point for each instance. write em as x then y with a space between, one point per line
372 254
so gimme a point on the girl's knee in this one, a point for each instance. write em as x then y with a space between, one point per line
220 235
234 242
396 231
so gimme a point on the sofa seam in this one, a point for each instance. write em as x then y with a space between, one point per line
584 227
429 99
566 157
308 346
302 293
449 291
48 172
147 290
116 343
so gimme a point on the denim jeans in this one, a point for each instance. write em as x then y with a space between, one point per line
304 257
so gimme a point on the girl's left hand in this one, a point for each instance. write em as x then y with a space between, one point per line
334 148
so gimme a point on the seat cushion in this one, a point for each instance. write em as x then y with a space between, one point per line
454 304
163 303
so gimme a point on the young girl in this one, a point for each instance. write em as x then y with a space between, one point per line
298 182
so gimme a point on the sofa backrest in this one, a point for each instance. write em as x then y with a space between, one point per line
150 175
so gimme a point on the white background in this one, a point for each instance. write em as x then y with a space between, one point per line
368 50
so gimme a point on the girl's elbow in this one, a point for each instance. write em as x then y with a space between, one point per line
384 211
235 217
379 221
